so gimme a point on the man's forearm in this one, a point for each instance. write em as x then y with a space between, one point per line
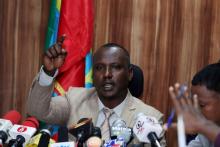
39 99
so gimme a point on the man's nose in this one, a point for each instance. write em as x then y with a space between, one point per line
108 73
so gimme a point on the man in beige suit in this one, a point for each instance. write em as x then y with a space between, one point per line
111 75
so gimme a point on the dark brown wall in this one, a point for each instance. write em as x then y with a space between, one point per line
169 39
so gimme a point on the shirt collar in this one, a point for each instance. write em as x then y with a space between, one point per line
117 110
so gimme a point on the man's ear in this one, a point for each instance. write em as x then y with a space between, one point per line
130 72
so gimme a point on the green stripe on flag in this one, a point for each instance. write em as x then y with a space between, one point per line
53 23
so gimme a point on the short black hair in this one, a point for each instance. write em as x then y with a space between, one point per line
209 76
109 45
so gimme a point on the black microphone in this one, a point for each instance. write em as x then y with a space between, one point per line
17 142
45 136
82 130
152 136
95 138
63 134
96 131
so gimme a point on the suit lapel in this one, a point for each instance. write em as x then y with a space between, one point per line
94 108
129 110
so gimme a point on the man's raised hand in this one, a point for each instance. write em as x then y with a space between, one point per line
54 57
187 106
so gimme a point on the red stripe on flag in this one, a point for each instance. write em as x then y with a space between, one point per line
76 21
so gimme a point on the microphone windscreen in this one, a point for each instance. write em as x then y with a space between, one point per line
31 122
94 142
82 120
96 131
63 134
82 130
14 116
120 130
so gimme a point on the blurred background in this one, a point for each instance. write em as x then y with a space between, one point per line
169 39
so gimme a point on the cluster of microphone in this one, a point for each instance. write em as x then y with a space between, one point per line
13 134
146 130
27 134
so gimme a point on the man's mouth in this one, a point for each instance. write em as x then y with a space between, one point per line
108 86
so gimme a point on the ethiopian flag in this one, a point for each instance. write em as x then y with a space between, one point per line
76 22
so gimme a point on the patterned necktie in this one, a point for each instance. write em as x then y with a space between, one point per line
105 126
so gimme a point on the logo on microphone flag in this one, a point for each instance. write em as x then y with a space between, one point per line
145 125
22 129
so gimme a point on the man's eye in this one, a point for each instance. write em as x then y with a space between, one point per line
202 105
116 66
98 67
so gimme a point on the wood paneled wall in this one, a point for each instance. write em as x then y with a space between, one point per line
169 39
23 25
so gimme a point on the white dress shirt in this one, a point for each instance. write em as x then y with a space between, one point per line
116 115
44 79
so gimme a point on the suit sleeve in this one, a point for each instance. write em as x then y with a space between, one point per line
54 110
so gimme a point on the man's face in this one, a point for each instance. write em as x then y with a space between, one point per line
111 73
209 102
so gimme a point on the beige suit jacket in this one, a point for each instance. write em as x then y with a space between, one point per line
79 103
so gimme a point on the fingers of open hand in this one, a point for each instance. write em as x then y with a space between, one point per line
180 97
195 102
181 90
174 99
183 95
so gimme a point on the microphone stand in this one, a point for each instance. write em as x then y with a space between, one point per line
152 136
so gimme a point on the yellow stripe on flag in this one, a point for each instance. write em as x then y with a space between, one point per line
59 88
89 76
58 4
